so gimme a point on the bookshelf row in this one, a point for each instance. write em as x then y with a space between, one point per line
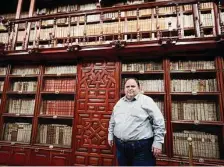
53 99
192 87
143 23
91 6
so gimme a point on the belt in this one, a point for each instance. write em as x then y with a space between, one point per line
132 141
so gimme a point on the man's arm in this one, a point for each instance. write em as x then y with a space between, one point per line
158 125
111 130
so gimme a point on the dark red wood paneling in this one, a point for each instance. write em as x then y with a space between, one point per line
40 157
60 158
98 91
20 156
5 152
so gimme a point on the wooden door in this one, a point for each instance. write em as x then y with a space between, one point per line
60 158
5 153
20 156
40 157
97 93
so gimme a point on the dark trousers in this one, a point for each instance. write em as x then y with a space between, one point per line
135 153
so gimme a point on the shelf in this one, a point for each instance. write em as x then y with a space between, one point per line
207 27
195 93
47 26
57 93
200 160
13 143
192 71
24 76
58 75
154 93
199 122
145 16
110 19
131 17
93 22
21 93
166 14
17 115
188 28
62 24
206 10
187 12
142 73
55 117
149 93
50 146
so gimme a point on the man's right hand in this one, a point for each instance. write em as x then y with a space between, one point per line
110 142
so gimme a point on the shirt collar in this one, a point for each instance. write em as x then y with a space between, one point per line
135 98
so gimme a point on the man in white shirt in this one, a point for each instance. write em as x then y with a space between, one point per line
137 127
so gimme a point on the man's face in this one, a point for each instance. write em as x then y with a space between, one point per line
131 89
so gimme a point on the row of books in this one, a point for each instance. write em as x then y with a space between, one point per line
73 8
54 134
167 10
195 85
57 107
160 104
60 69
17 132
187 21
93 29
207 19
208 5
3 70
143 24
204 144
92 18
25 70
189 65
155 85
21 106
24 86
47 134
141 67
21 36
138 66
187 7
1 85
162 10
67 85
169 23
66 8
68 69
194 110
4 36
222 16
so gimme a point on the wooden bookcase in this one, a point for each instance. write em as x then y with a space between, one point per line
62 69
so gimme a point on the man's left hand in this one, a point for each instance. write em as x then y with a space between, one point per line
156 151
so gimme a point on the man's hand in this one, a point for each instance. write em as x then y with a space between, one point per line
156 151
110 142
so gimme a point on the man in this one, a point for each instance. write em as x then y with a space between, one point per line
137 127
